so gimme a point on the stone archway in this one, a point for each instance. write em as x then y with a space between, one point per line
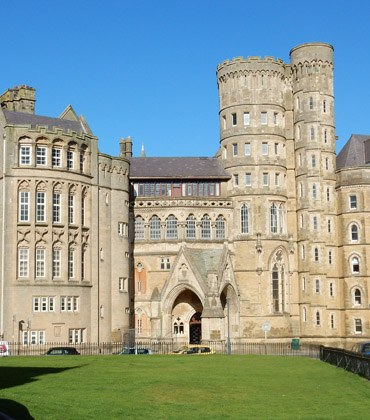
186 317
229 292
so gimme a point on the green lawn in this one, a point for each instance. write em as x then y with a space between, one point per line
180 387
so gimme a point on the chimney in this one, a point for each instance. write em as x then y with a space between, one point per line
128 147
122 147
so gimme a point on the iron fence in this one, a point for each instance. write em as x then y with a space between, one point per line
167 347
348 360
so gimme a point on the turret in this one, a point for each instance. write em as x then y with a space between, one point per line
252 95
19 99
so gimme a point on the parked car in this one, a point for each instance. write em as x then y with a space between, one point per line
195 349
136 350
62 351
363 348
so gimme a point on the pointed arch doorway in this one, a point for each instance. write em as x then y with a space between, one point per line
195 328
187 318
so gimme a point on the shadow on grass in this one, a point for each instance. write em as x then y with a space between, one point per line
12 410
16 376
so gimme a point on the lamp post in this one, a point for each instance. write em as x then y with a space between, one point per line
20 328
228 324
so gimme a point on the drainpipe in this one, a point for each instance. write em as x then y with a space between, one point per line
3 244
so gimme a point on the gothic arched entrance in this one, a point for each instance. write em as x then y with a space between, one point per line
195 328
186 318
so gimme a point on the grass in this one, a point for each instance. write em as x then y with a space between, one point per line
180 387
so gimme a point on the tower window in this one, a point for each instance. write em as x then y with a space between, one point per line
235 149
354 232
357 297
310 103
263 118
312 133
244 215
313 161
353 202
314 220
355 265
246 118
247 149
358 326
233 118
265 149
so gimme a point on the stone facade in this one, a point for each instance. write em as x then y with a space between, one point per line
95 247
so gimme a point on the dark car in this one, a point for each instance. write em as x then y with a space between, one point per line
363 348
136 350
62 351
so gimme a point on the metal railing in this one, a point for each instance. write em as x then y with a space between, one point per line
167 347
348 360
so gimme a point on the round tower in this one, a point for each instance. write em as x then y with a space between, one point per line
314 132
253 96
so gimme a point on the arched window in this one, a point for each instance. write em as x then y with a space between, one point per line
155 228
354 232
190 227
273 218
206 227
175 328
318 319
139 227
357 296
244 218
171 227
220 227
355 265
278 284
275 288
317 286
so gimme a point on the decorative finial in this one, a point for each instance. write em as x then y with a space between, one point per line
142 153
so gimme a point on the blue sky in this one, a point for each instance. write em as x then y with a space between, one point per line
147 69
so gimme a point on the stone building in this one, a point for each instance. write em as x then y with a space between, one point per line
275 224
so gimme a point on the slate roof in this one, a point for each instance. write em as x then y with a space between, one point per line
206 260
177 167
20 118
356 152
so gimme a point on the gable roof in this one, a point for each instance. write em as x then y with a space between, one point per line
356 152
206 260
20 118
177 167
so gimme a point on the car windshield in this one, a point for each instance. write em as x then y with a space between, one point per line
128 351
366 348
